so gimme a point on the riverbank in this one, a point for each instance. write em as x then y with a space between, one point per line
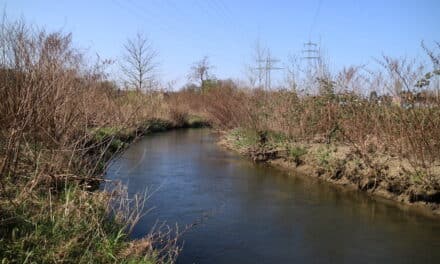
61 121
70 220
378 174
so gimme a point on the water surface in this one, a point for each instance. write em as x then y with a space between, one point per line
251 213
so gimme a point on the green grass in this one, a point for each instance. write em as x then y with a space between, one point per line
324 156
417 176
196 122
296 153
157 125
244 138
73 226
117 138
277 139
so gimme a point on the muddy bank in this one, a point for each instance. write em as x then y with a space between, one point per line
379 175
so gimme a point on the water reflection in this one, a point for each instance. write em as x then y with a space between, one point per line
258 214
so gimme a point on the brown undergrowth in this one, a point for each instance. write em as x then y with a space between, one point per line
61 121
379 131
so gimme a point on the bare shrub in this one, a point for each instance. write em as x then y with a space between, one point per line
59 117
394 111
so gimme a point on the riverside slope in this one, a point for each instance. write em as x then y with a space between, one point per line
385 177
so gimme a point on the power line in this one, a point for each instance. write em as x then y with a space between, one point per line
134 9
183 16
214 5
150 15
220 10
212 8
229 18
311 50
315 18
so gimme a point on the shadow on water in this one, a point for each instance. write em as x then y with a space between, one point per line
258 214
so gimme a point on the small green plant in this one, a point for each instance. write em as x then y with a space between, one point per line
418 176
157 125
195 121
324 157
244 138
102 133
296 153
277 138
116 138
117 144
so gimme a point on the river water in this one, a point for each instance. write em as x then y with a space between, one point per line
249 213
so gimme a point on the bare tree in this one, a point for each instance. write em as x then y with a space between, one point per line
139 63
256 71
292 73
201 71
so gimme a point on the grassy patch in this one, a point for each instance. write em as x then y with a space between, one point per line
417 176
324 156
74 226
296 153
195 121
277 138
158 125
244 138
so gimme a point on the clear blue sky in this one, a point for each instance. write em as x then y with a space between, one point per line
183 31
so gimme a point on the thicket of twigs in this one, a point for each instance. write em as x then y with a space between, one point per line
394 111
59 119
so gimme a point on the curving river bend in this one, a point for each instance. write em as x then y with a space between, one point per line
256 214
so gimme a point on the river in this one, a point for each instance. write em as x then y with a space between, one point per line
250 213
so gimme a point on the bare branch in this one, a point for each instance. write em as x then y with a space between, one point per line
139 63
